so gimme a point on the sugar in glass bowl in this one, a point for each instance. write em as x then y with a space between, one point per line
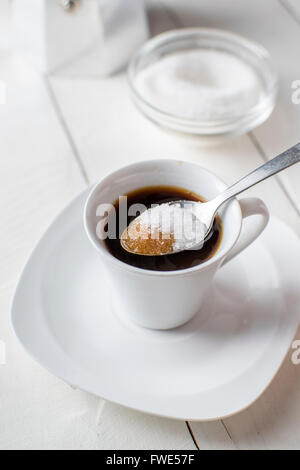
204 82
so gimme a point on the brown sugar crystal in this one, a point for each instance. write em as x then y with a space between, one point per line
138 239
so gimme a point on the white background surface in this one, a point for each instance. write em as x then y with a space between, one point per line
57 136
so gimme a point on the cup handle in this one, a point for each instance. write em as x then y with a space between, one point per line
250 206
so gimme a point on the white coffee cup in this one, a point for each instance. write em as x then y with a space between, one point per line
164 300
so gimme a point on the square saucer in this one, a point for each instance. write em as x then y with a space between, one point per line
64 314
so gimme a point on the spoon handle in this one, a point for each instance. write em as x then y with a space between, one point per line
282 161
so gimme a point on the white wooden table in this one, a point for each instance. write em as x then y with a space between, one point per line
57 136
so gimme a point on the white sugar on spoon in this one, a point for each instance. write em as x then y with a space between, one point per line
164 228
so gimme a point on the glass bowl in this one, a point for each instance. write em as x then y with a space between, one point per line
210 39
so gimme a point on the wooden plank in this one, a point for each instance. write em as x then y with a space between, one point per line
282 129
123 429
37 168
272 422
280 36
212 435
38 176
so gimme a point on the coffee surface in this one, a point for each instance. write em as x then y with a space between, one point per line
183 260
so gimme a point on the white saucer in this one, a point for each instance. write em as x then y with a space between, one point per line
214 366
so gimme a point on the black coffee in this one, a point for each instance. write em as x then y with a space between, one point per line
183 260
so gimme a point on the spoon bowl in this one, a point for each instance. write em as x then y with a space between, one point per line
199 219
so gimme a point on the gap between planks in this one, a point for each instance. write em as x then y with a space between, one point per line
262 153
66 129
173 16
192 435
290 10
